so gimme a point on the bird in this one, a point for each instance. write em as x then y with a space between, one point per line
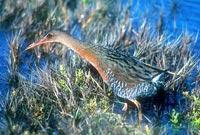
128 76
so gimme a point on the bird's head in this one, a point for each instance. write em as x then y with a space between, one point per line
51 37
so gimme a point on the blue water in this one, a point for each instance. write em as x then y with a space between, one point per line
4 65
177 15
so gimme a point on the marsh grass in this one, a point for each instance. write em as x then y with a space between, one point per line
55 105
67 96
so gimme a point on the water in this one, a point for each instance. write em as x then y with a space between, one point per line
4 65
4 77
178 16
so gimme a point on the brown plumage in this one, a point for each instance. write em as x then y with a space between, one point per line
127 75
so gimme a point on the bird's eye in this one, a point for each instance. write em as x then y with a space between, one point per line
50 35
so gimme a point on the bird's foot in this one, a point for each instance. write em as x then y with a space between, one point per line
138 105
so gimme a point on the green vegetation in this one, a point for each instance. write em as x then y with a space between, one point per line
68 96
194 114
175 119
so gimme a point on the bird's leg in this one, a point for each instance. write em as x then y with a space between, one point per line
138 105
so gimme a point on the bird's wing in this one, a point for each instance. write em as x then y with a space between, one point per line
130 69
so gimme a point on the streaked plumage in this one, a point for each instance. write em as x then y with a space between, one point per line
129 77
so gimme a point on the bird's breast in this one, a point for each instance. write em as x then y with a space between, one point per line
94 60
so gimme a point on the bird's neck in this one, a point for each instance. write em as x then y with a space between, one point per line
86 51
80 48
72 43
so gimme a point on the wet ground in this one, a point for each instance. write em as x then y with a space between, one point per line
183 17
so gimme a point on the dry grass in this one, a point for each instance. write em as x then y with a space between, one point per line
65 95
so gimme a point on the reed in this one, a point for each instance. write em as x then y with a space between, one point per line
65 94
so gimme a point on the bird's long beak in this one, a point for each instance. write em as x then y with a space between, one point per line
38 43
